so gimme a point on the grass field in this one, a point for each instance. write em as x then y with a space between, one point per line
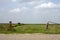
31 28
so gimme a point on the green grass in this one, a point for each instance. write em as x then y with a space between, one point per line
31 28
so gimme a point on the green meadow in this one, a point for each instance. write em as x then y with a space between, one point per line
31 28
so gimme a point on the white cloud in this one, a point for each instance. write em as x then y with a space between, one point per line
15 10
24 7
33 2
48 5
14 0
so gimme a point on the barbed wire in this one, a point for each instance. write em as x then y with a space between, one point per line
52 22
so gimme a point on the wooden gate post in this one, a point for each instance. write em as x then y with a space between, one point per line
10 26
47 25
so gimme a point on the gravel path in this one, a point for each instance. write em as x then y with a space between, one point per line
29 36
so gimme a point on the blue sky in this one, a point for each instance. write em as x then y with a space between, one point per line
29 11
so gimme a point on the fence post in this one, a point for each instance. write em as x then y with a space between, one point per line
47 25
10 26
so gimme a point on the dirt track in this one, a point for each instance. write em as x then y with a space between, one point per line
29 36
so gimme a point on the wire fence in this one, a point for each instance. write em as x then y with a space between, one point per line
53 27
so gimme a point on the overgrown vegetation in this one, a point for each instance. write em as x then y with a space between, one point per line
31 28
